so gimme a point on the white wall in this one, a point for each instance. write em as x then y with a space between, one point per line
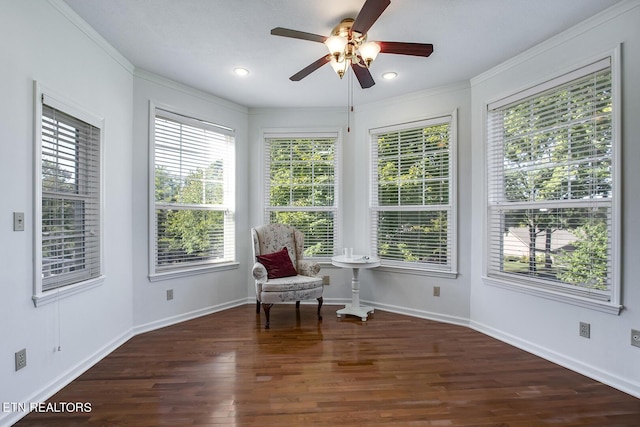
543 326
34 35
199 294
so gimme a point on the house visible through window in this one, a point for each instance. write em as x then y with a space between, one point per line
193 223
68 227
413 212
551 217
301 181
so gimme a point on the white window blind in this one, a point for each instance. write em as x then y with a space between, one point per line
301 178
194 193
70 247
413 195
551 185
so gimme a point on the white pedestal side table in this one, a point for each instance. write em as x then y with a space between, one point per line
355 263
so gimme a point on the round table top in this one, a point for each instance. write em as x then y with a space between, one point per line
356 261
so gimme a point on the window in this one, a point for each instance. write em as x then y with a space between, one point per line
551 188
68 198
413 215
193 225
301 178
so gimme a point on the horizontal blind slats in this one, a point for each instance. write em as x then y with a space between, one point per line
300 187
194 192
411 210
550 183
70 180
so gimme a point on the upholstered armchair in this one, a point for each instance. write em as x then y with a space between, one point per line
280 272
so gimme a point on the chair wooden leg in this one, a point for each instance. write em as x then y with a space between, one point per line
257 306
266 308
320 300
297 305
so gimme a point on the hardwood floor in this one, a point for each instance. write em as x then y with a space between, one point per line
226 369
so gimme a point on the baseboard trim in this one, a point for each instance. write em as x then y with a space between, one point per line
67 377
422 314
162 323
572 364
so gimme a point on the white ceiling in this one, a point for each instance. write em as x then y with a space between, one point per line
199 42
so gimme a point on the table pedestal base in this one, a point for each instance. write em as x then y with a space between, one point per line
361 311
355 308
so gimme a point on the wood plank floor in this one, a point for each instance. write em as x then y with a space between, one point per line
226 369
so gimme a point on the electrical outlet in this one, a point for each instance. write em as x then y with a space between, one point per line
585 330
436 291
326 280
635 338
21 359
169 294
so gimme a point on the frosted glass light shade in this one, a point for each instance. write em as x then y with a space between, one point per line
369 51
339 67
335 44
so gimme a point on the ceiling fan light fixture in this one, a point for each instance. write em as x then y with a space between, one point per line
348 46
369 51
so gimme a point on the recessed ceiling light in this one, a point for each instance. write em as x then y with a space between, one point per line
390 75
241 71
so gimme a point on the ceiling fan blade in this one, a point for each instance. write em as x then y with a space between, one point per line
370 12
295 34
310 69
363 75
401 48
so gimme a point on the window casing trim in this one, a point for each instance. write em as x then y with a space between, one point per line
552 294
187 268
410 267
193 271
613 304
46 95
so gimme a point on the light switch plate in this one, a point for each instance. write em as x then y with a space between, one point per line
18 221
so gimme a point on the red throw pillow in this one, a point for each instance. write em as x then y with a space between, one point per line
278 264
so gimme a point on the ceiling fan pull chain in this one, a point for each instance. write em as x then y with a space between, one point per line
349 100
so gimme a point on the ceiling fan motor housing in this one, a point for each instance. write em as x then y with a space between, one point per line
354 38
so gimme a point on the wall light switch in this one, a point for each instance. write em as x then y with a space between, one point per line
18 221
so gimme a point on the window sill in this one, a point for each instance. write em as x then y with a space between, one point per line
419 271
44 298
592 304
174 274
406 270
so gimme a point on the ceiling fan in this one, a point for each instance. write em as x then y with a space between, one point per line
348 45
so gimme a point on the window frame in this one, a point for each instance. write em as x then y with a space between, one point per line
533 286
229 227
426 269
336 209
43 95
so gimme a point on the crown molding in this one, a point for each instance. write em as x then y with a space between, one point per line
189 90
66 11
559 39
421 94
256 111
